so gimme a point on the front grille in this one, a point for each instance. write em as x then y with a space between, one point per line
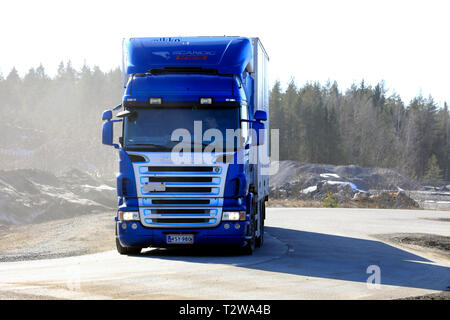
181 195
161 181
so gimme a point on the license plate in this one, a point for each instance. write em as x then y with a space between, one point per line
180 238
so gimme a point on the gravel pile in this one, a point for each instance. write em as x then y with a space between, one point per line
31 196
294 175
342 184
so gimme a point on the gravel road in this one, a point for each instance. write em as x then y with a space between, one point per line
309 254
59 238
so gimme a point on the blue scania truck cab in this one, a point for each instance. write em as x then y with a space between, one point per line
178 184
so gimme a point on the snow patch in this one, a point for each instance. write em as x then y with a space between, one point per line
329 175
309 189
343 184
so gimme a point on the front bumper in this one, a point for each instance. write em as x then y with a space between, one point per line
144 237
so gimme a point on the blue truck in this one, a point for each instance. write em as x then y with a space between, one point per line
184 192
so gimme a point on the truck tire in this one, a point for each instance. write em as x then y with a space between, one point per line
251 243
250 246
126 250
259 241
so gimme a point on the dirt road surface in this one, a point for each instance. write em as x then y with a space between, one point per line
309 253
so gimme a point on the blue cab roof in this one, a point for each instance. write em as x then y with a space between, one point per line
229 55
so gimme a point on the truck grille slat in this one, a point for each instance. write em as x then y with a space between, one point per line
180 211
181 201
180 179
180 169
188 189
190 220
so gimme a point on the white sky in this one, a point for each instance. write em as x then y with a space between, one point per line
404 43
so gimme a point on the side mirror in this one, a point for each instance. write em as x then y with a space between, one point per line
107 115
107 133
258 132
260 115
258 127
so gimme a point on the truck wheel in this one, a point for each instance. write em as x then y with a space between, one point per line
249 247
259 241
251 243
126 250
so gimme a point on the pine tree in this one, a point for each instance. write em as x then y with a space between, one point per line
289 128
447 141
434 172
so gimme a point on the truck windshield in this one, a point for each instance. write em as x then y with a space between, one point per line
154 129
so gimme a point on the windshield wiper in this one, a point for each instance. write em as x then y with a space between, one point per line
194 142
142 146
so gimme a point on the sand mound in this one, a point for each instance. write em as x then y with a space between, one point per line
28 196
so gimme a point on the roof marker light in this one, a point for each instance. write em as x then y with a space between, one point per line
205 100
155 100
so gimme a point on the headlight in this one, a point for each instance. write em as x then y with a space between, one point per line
128 216
233 215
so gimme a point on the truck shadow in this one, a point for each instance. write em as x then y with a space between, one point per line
321 255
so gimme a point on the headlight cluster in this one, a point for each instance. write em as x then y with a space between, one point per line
233 216
129 216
